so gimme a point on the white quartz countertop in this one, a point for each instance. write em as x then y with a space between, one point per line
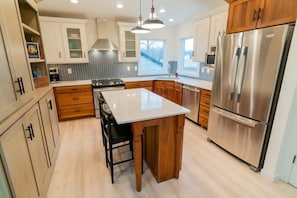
71 83
184 80
133 105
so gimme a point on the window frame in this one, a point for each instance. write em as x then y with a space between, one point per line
181 68
154 72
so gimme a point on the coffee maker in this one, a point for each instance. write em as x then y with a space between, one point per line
54 74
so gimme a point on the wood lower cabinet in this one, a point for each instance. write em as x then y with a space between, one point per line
50 121
204 107
25 157
74 102
260 13
140 84
178 93
165 89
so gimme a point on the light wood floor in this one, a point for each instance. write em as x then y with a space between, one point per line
207 171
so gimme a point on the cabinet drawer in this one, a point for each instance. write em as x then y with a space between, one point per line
205 101
203 121
75 111
205 93
139 84
74 98
204 110
75 89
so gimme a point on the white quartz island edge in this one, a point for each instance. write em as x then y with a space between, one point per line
133 105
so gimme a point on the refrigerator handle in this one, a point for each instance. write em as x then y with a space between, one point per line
232 71
236 118
242 68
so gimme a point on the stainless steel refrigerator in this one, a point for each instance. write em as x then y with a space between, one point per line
248 74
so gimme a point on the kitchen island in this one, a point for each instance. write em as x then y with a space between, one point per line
160 121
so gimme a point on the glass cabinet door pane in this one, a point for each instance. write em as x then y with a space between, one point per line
74 43
130 44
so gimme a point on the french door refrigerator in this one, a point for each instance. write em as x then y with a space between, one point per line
246 85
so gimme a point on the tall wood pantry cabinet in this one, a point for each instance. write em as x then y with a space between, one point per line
16 83
250 14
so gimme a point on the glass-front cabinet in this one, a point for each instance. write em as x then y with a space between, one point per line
129 43
75 43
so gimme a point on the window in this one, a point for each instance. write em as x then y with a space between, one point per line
187 66
152 56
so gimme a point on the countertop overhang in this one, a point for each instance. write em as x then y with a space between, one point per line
133 105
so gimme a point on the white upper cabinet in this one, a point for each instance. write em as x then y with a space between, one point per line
129 45
75 43
201 39
65 40
53 42
218 25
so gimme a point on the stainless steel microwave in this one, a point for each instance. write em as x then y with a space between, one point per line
210 59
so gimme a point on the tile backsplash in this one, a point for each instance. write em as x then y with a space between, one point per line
104 64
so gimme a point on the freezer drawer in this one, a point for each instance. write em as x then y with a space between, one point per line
240 136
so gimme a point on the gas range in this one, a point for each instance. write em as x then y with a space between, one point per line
100 83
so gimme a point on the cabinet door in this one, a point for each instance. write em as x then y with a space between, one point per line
17 162
217 27
275 12
45 107
201 39
75 43
53 116
16 85
52 42
128 45
4 187
242 15
36 146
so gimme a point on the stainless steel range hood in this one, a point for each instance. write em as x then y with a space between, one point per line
103 42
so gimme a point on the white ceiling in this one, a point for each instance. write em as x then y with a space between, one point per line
177 9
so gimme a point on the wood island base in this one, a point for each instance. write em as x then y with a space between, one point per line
163 145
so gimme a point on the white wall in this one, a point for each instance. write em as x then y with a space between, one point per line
284 128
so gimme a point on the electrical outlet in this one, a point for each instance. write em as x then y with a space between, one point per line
69 70
128 68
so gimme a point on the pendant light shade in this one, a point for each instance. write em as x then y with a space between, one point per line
153 22
139 29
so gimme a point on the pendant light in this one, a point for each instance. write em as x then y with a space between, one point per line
153 22
139 29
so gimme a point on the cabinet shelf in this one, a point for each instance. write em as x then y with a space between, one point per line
36 60
75 50
28 29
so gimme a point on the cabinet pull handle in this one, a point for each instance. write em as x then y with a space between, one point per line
21 85
76 111
255 15
259 14
60 55
50 105
75 98
74 89
84 54
32 131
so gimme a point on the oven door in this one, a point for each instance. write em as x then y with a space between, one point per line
96 93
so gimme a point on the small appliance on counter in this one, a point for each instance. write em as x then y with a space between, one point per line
54 74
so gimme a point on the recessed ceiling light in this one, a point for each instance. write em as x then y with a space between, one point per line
74 1
162 10
120 5
171 20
